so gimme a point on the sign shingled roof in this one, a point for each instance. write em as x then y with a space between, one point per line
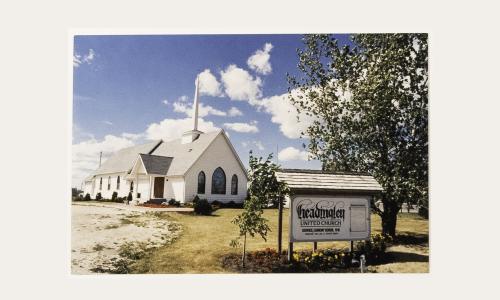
316 180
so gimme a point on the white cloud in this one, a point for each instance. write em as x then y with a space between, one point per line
259 61
203 110
107 122
165 101
77 60
243 127
285 114
183 98
234 112
89 57
170 129
80 134
132 136
81 59
209 84
291 153
85 155
257 144
240 85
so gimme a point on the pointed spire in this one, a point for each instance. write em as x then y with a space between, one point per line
192 135
195 104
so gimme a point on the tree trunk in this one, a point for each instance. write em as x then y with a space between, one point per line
389 219
244 251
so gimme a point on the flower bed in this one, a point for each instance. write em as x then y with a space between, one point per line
153 205
325 260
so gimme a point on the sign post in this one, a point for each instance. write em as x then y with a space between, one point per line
280 224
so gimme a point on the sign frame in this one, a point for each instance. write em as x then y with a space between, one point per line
293 198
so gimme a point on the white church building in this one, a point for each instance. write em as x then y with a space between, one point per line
197 164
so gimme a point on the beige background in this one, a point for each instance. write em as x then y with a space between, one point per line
35 122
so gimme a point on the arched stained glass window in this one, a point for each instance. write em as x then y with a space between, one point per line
109 183
234 185
201 183
100 184
118 182
219 181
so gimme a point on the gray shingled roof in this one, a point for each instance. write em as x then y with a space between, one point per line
182 156
185 155
155 164
311 180
123 160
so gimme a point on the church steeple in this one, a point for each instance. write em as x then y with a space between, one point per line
195 104
192 135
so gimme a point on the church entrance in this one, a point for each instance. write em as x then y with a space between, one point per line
158 187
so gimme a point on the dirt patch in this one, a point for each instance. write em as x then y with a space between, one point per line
104 238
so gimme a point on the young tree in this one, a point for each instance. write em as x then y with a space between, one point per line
250 222
264 189
370 101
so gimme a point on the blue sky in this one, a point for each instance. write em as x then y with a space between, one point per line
130 89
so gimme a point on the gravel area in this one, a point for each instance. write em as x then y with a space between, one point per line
97 234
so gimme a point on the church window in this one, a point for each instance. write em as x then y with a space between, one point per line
118 182
234 185
109 183
100 184
201 183
219 181
131 186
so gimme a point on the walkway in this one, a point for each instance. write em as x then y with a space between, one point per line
131 207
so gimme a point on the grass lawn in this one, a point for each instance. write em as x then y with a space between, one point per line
205 239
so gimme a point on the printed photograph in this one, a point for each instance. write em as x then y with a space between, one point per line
250 153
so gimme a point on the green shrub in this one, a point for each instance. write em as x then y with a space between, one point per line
196 199
114 196
202 207
173 202
87 197
98 196
217 203
129 197
232 204
374 248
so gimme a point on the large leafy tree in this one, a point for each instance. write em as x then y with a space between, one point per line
370 100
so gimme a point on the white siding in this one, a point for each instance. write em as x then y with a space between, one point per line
105 193
87 189
178 186
218 154
143 188
174 188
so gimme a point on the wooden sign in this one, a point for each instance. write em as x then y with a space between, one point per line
329 218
